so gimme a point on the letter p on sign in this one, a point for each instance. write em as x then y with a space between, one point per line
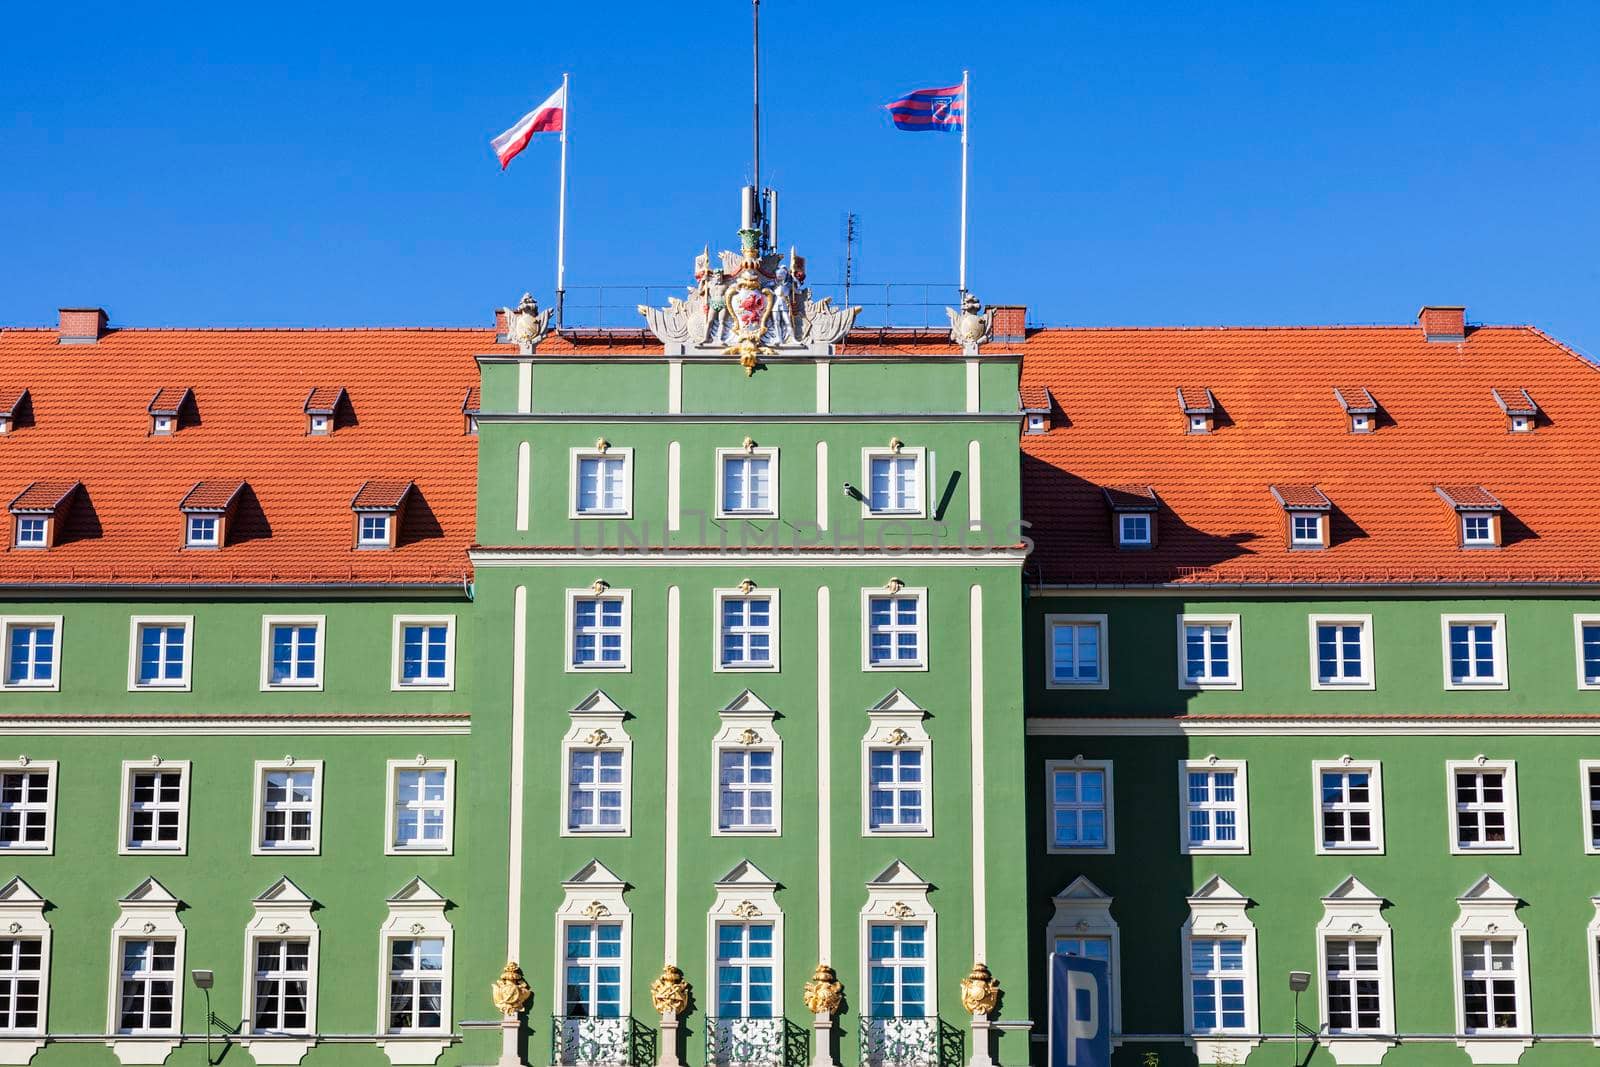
1080 1001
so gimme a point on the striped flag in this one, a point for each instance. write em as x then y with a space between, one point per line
548 117
931 109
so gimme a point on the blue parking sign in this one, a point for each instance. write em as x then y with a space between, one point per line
1080 1012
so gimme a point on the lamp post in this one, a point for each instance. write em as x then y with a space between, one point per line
202 981
1299 982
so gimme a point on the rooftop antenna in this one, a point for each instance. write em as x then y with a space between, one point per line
757 206
852 238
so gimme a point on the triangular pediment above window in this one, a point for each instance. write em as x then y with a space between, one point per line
896 703
593 875
1488 891
745 875
597 703
150 891
1352 891
1217 890
898 874
747 703
1082 889
417 891
283 891
19 893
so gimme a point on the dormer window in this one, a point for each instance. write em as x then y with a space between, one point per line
31 531
202 531
1199 409
1307 529
1477 529
41 511
11 408
1306 509
1134 528
1036 408
208 509
1477 515
322 409
1133 515
374 531
1519 408
469 410
167 409
379 508
1359 407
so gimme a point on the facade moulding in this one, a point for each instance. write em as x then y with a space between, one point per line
457 589
1314 725
1295 589
522 557
745 417
291 725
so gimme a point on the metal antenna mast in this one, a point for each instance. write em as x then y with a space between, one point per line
755 111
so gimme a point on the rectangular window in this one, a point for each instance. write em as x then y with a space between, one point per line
593 970
421 801
744 970
747 632
424 653
201 531
32 650
1208 652
30 531
1476 530
21 983
897 970
146 1001
1587 629
896 627
161 653
27 804
1305 529
155 812
289 797
1077 651
374 531
1133 528
599 632
1091 948
1591 805
1215 807
894 482
744 789
1355 984
1080 807
1349 808
749 482
594 789
1489 984
282 986
416 985
1217 984
293 653
1341 652
1475 654
601 484
896 798
1483 813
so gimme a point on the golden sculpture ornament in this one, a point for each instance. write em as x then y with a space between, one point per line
823 993
510 990
669 992
980 991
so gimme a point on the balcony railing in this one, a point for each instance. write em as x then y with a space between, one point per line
584 1041
740 1042
900 1041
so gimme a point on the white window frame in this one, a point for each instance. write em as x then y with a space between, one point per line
920 456
1480 764
27 765
6 623
43 528
22 917
622 666
282 913
899 895
1346 765
597 722
1473 517
574 457
593 895
719 596
1051 769
920 595
1241 844
1296 518
136 624
747 726
1217 911
1124 541
416 913
189 538
1352 912
125 846
745 895
149 913
771 456
1368 677
397 682
896 724
1578 623
392 771
379 540
1594 968
1083 910
310 685
1488 911
1500 679
258 808
1050 624
1587 767
1235 650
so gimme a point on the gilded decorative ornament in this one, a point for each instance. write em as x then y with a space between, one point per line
746 910
900 910
669 992
897 736
510 990
980 991
595 910
602 446
895 445
894 585
823 993
749 737
746 585
597 737
599 585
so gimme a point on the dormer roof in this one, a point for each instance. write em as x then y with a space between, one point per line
44 497
11 400
376 495
1468 497
1514 400
325 399
1196 400
1356 399
216 495
472 403
1301 498
170 399
1035 399
1131 497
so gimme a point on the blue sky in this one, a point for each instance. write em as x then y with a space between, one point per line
327 164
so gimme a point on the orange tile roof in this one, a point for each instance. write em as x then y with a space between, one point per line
212 495
169 399
1034 398
324 399
1356 399
379 496
1131 497
293 523
1513 400
1196 400
1467 497
1301 497
11 399
1220 525
473 403
44 496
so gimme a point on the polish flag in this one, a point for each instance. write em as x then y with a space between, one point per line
548 117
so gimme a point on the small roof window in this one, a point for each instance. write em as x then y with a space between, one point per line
207 508
1306 512
1037 404
169 409
379 507
470 409
14 404
1478 515
1199 408
41 509
1519 408
1133 515
322 408
1359 407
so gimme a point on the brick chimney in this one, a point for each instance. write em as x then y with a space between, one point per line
1443 323
501 325
1010 322
81 326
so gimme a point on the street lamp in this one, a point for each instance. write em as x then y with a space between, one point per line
1299 982
203 980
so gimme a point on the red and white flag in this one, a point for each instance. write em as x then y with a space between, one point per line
548 117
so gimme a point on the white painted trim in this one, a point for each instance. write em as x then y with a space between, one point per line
150 912
900 895
974 486
747 730
576 454
53 778
674 387
717 597
1585 767
919 594
1578 623
896 724
770 454
392 771
1217 910
314 685
1235 652
1489 911
597 726
1374 770
980 822
22 915
973 404
258 808
1512 844
1313 726
670 834
824 392
1078 763
841 556
622 666
1501 679
674 486
1593 953
1354 912
184 684
822 484
1050 623
282 912
1368 679
519 759
1083 910
233 725
1241 846
745 894
395 656
125 822
594 894
525 386
417 911
524 484
923 478
824 827
8 621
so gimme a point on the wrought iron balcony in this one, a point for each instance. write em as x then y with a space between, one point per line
585 1041
733 1041
904 1041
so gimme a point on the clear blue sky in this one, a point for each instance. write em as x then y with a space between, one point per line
327 164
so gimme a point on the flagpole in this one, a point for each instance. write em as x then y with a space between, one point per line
561 223
966 120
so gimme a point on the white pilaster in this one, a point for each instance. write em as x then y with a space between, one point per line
524 473
972 385
670 894
824 783
519 715
525 386
674 476
674 386
822 483
974 487
980 907
824 395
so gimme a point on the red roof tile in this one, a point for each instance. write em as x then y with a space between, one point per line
1356 399
44 496
472 404
324 399
1034 398
1276 381
1131 497
1196 400
1301 497
1513 400
213 495
11 399
1468 497
169 399
379 496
